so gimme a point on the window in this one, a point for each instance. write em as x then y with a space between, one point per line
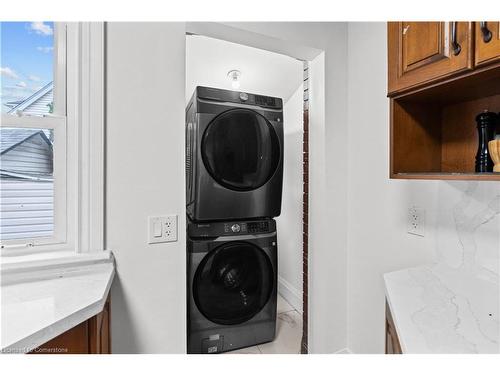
26 183
27 50
33 133
51 169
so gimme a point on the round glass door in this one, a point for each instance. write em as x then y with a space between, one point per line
240 149
233 283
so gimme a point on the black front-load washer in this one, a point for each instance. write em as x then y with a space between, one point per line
234 155
231 285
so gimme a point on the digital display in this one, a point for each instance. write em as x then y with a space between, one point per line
261 226
264 100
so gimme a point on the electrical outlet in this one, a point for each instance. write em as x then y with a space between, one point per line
170 227
416 221
162 229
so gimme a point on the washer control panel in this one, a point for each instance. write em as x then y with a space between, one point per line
235 228
258 227
248 227
243 96
231 228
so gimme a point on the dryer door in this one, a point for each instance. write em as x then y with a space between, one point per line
233 283
240 149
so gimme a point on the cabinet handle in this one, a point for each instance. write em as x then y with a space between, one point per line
454 43
486 32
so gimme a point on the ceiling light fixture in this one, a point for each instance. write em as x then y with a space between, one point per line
234 76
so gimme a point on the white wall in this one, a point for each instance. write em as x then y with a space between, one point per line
208 61
377 236
289 223
145 176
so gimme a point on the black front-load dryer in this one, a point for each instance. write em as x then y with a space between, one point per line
234 155
231 285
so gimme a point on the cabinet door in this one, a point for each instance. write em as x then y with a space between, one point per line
487 42
73 341
93 336
392 345
99 334
423 52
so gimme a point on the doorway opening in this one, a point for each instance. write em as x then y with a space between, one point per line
217 63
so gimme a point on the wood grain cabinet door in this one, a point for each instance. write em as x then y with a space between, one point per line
73 341
487 43
93 336
99 332
392 345
423 52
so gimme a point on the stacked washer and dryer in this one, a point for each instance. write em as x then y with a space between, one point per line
234 176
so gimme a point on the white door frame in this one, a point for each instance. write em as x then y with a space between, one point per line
317 129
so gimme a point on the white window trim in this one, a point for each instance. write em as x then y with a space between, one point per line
60 68
79 179
92 137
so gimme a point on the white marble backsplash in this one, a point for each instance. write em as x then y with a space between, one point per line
468 245
468 233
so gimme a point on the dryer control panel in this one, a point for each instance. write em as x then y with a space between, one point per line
220 95
231 228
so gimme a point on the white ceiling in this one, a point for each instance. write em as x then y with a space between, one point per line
209 60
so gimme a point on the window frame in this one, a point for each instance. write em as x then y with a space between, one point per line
79 135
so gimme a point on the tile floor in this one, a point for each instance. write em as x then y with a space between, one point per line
288 333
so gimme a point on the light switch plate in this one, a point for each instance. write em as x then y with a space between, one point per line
416 221
162 228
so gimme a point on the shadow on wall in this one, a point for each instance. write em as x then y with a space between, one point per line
123 341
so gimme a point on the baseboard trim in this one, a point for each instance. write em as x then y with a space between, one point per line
290 294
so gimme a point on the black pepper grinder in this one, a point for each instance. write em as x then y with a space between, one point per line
486 123
497 132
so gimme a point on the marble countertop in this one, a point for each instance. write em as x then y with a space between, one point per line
439 309
35 309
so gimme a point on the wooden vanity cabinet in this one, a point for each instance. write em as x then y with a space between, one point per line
99 331
90 337
422 52
487 46
392 345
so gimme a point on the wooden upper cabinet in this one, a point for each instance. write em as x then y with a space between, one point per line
487 43
422 52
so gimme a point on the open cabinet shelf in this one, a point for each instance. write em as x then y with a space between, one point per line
448 176
433 130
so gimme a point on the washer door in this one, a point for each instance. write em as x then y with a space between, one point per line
240 149
233 283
